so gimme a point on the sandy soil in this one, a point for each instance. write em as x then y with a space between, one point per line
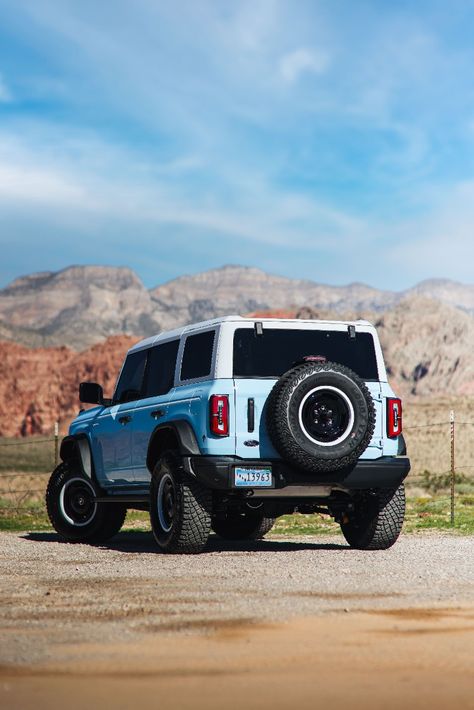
278 624
401 659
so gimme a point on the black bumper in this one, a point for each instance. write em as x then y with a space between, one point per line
217 472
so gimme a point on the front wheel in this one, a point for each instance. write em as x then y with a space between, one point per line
377 519
251 525
73 511
180 507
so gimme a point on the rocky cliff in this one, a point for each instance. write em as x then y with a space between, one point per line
427 345
427 333
39 386
427 348
76 307
82 305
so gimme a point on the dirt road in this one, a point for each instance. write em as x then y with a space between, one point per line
277 624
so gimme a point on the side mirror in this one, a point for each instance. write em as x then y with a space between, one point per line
91 393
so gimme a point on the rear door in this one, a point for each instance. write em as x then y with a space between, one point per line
153 408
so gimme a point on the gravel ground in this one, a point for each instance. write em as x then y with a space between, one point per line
53 593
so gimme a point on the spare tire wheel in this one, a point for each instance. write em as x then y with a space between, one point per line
320 416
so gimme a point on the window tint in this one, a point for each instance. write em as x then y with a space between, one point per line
130 384
197 356
161 367
274 352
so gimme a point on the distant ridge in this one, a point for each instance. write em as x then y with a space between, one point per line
427 332
82 305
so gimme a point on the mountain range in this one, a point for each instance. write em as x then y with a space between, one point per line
427 332
82 305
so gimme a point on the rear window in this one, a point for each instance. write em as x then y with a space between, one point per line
197 355
161 367
276 351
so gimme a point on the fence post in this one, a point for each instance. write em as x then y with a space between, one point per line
453 469
56 444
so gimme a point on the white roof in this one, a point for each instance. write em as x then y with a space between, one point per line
171 334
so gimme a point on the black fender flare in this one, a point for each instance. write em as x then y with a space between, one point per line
76 447
180 432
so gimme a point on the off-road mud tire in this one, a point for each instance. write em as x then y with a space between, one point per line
244 526
377 520
285 428
105 519
188 522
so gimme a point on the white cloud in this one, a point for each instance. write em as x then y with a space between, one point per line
36 185
84 177
301 61
224 152
441 241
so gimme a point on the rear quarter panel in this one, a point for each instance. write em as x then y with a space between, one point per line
191 404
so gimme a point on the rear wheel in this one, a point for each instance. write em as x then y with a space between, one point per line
377 519
251 525
73 512
180 507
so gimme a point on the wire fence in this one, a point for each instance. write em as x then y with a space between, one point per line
452 478
23 476
25 465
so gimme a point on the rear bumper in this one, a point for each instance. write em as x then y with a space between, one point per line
217 472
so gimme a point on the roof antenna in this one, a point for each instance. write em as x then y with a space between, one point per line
258 328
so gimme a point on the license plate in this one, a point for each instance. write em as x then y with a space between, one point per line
253 477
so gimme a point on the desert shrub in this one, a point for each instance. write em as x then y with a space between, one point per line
435 482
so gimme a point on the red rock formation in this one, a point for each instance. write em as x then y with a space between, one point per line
39 386
427 347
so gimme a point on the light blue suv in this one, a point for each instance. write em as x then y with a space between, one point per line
226 425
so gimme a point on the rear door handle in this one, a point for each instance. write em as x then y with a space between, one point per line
250 414
157 413
125 420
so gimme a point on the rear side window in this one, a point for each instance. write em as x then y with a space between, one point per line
197 355
276 351
161 367
129 386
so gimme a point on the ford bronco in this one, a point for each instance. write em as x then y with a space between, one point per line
227 424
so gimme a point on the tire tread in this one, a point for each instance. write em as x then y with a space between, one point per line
193 528
279 430
381 530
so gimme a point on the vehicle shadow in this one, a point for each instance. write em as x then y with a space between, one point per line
138 541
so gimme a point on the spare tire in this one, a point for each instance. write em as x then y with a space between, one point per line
320 416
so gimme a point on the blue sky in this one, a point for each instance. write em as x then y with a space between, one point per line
325 140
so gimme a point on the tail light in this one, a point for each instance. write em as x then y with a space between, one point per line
219 411
394 418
